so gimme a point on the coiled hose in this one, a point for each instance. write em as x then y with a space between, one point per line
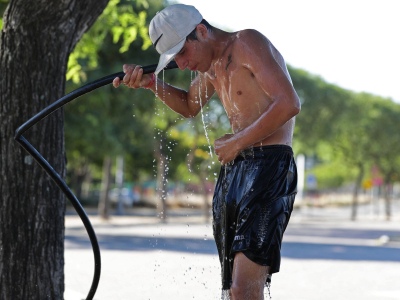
56 177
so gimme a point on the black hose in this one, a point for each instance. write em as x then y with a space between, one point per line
56 177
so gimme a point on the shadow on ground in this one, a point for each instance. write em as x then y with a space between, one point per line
295 250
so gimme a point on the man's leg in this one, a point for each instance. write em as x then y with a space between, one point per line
248 279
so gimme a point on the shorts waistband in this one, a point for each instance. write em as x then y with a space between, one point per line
263 151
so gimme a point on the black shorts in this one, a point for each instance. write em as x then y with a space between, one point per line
252 204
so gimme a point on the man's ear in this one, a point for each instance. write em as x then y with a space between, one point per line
201 31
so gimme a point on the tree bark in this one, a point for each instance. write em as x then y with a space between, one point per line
104 205
162 173
35 42
354 204
387 194
206 192
78 177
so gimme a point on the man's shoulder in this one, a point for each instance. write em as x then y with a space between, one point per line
250 41
250 37
249 34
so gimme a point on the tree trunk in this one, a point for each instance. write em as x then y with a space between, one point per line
162 172
104 205
78 177
388 191
354 205
35 42
206 192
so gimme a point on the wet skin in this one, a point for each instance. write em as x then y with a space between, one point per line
249 76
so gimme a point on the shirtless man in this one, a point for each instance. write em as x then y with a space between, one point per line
256 187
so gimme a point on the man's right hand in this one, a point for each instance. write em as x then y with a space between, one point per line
134 78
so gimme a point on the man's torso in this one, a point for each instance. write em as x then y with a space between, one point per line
242 97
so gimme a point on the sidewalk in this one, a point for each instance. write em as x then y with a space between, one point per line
324 256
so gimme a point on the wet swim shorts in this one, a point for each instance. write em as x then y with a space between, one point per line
252 204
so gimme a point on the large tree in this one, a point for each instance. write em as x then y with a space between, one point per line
35 42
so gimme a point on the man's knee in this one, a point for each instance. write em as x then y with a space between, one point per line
248 279
247 290
237 291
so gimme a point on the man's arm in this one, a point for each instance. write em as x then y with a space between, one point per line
186 103
274 80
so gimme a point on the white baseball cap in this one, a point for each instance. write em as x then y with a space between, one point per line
169 29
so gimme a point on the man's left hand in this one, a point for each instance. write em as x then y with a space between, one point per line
226 148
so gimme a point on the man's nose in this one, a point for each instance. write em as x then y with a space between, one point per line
182 63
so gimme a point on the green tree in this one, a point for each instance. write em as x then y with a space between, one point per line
341 129
352 142
383 129
102 125
121 121
323 105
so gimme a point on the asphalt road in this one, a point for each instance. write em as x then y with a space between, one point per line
324 257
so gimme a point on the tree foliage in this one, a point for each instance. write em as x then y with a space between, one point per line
120 21
349 134
131 122
337 127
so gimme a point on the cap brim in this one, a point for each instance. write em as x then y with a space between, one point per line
169 55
